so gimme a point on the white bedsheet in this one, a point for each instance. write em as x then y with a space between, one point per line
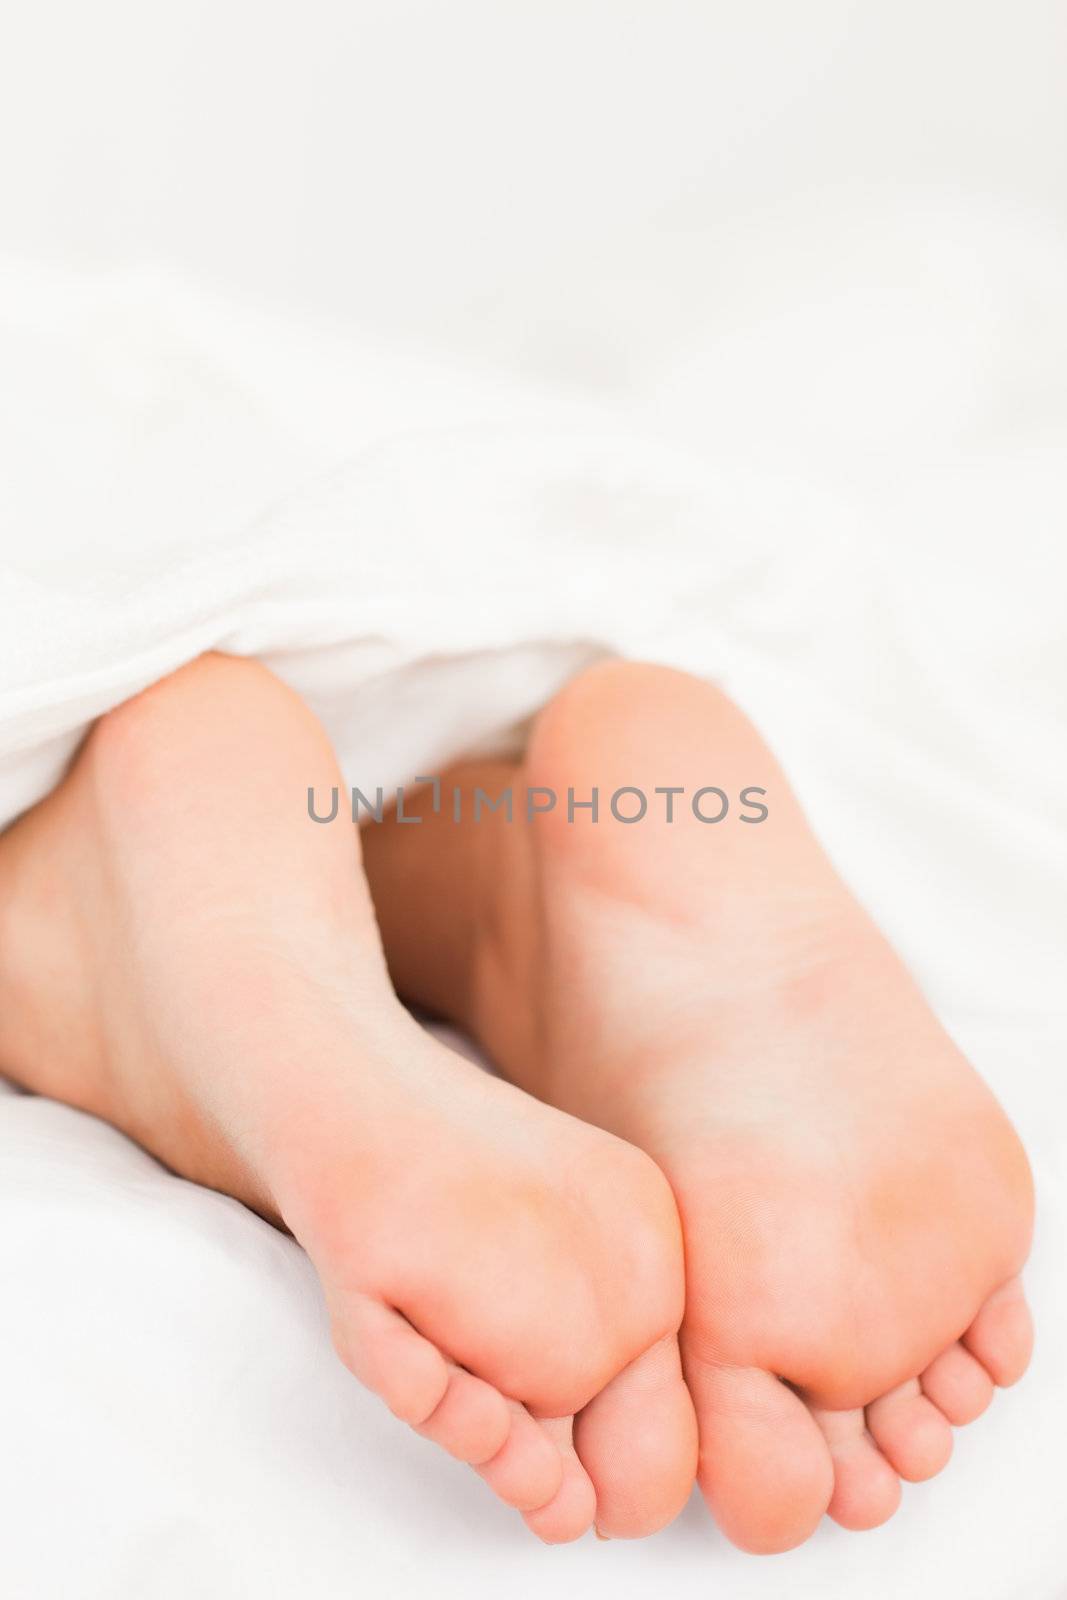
175 1422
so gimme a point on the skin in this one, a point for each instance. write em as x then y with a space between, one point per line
855 1205
187 956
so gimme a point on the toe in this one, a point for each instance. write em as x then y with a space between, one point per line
866 1489
570 1512
459 1411
958 1385
910 1431
764 1466
387 1354
528 1471
638 1441
471 1421
1001 1336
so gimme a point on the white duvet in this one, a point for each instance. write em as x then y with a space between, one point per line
425 547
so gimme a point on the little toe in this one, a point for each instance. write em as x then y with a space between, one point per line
638 1441
457 1410
764 1465
910 1431
958 1384
570 1512
528 1470
1001 1336
866 1489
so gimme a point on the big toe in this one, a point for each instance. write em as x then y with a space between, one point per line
638 1441
764 1467
1001 1336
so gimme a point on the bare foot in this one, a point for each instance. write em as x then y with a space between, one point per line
188 956
856 1207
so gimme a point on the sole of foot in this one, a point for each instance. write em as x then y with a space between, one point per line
190 957
855 1205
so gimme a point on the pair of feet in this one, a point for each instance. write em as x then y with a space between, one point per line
753 1220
